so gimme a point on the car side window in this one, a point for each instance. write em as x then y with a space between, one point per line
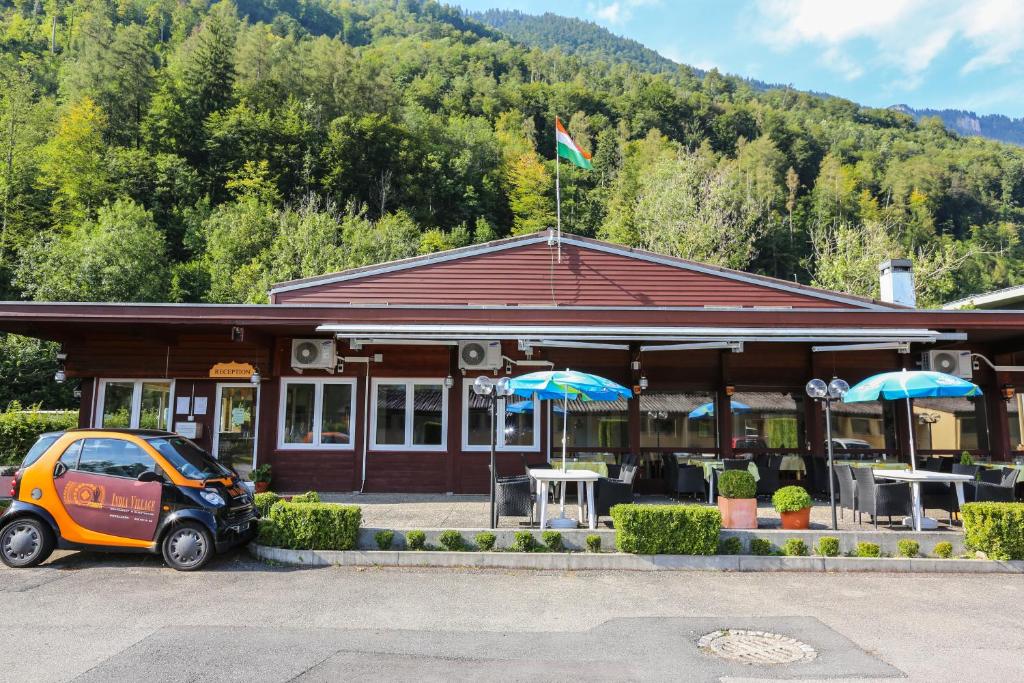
70 456
114 457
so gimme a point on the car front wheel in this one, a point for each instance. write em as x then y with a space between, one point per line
25 542
187 547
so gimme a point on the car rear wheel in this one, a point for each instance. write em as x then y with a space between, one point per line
25 542
188 547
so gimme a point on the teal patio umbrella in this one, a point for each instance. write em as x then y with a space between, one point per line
708 410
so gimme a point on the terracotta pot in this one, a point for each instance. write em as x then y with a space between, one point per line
801 519
262 486
738 513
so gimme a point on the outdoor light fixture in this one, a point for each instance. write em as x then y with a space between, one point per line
643 383
485 386
59 376
255 377
1008 391
449 382
730 389
833 391
501 387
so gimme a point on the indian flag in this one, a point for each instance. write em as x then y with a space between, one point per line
567 149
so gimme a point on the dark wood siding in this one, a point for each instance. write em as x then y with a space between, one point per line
530 274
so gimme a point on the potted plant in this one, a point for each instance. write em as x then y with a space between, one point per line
261 478
737 499
793 504
966 459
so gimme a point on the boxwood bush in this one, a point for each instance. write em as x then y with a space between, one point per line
307 497
594 543
865 549
794 547
731 545
452 540
485 540
761 546
553 541
313 526
264 501
416 540
828 546
666 529
384 537
524 542
996 529
791 499
908 547
943 549
737 484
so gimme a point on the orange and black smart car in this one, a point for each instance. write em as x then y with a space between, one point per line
124 490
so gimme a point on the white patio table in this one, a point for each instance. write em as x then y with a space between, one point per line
914 478
586 478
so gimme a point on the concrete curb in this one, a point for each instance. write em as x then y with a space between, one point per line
621 561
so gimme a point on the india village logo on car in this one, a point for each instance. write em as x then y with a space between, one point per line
84 494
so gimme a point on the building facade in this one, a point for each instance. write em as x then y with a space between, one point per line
361 380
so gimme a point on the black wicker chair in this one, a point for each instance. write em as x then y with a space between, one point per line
689 480
736 464
847 489
985 492
991 475
609 492
768 475
881 499
514 497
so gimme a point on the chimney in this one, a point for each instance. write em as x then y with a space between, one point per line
897 280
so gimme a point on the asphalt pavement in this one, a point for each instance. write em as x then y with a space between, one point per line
94 617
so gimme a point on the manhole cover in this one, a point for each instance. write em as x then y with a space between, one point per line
756 647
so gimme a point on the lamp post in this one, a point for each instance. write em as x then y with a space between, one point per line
485 386
833 391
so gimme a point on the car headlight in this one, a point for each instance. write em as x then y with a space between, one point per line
211 497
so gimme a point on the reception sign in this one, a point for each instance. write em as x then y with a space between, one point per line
232 370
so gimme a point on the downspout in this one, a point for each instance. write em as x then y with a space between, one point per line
366 423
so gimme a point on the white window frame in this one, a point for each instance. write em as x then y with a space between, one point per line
318 416
499 417
409 382
136 410
217 417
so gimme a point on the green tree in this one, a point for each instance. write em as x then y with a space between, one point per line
72 166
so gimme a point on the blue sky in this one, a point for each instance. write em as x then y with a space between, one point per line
925 53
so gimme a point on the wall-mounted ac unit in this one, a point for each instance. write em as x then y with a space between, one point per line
479 355
951 362
314 354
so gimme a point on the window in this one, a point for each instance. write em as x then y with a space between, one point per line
135 404
591 424
409 414
518 420
769 419
37 450
666 422
69 458
317 413
188 459
115 458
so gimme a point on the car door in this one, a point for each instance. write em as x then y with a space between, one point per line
97 481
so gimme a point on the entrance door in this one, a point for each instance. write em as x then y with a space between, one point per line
234 438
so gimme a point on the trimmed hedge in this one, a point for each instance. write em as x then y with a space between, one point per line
307 497
19 429
312 526
264 501
666 529
737 484
996 529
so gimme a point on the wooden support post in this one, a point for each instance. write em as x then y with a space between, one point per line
723 406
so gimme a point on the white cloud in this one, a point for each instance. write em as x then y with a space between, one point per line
907 34
617 11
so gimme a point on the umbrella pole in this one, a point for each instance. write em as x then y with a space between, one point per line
910 432
565 423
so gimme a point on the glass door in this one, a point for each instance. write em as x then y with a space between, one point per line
234 439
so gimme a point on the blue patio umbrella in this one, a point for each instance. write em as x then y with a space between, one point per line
708 410
527 407
908 384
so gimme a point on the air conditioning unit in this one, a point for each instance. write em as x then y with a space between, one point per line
951 362
479 355
314 354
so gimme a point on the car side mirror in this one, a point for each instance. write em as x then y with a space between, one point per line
150 475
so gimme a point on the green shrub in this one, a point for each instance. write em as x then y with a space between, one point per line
761 546
737 484
908 548
524 542
865 549
315 526
416 540
452 540
20 428
485 540
384 537
731 545
553 541
307 497
791 499
267 534
666 529
594 543
795 547
996 529
828 546
943 549
966 459
264 501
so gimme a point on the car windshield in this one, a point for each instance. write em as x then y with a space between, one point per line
37 450
191 461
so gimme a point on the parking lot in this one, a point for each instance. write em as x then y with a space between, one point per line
91 617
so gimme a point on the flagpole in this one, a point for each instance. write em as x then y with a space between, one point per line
558 194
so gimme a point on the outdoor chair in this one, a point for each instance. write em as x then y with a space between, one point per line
881 499
972 470
610 492
991 475
736 464
932 464
514 497
817 475
847 488
687 479
614 469
985 492
768 475
669 471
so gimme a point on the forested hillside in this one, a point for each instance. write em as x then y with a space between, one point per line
164 150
